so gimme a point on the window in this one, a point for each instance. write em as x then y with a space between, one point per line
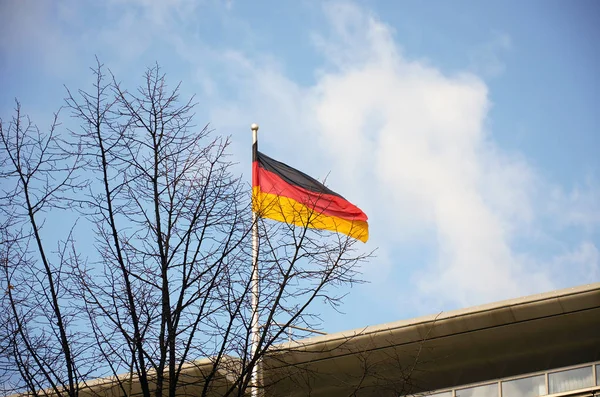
532 386
441 394
571 379
479 391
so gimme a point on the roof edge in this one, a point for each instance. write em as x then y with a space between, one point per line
488 307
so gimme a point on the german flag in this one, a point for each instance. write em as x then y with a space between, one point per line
285 194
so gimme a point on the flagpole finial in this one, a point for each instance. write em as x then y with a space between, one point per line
254 127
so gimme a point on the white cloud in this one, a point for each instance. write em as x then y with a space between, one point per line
486 59
409 144
33 33
158 13
579 207
583 262
62 37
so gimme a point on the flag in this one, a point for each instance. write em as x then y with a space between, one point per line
288 195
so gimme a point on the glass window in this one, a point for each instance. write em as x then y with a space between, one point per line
479 391
442 394
572 379
525 387
598 375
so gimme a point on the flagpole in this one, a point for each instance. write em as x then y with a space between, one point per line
256 373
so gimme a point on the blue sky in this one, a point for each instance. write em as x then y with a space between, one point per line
468 131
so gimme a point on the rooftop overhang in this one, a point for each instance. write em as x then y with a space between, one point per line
513 337
192 381
486 342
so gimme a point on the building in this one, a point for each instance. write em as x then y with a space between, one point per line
540 345
545 344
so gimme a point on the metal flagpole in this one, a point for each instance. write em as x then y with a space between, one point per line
256 373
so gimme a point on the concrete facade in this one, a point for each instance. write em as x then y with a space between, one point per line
490 347
499 340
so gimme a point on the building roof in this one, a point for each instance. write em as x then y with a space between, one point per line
486 342
507 338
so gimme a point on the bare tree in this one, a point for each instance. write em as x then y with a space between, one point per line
39 336
155 276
